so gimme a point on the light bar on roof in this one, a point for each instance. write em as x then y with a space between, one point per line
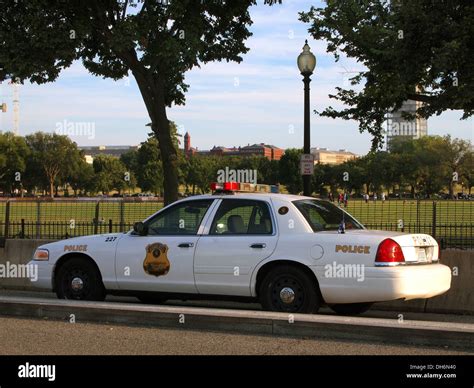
244 187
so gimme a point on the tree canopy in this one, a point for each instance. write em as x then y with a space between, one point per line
156 41
420 50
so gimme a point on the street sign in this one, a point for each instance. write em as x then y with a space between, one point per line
307 164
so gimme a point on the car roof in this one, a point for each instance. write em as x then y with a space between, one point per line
244 195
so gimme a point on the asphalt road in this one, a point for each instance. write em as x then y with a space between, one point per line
44 337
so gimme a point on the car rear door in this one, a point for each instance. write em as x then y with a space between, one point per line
239 234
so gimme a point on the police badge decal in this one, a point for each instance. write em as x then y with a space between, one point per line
156 262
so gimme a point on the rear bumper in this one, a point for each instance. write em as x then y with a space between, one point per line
381 284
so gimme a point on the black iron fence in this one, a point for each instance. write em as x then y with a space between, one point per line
60 218
450 222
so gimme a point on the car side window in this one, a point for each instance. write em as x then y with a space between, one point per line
242 216
181 219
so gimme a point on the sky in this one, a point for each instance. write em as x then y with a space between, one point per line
259 100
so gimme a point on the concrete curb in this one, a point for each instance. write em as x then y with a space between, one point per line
445 334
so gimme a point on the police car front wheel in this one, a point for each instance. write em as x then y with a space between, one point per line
79 279
289 289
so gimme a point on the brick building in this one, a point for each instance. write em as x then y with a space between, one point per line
269 151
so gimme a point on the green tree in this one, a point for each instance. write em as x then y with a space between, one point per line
13 156
466 167
420 50
407 163
202 171
149 168
454 153
49 158
111 174
289 168
351 175
156 41
318 180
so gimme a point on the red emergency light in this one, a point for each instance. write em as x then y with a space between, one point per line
226 186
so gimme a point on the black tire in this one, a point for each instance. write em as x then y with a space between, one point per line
303 294
87 279
350 308
151 299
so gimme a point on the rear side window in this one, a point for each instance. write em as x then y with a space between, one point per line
241 216
322 215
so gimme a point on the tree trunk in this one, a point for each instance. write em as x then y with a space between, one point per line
169 157
51 188
152 91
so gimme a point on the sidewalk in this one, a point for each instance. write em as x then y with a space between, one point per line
373 313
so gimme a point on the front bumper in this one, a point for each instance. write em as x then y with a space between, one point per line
380 284
45 275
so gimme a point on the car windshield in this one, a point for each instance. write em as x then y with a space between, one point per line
322 215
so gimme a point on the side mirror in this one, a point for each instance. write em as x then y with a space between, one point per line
140 228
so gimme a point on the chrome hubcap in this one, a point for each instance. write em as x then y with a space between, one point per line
77 284
287 295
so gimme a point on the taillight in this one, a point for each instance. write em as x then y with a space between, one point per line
389 251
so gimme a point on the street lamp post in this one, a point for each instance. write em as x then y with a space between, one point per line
306 65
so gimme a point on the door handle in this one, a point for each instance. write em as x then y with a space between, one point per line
258 245
186 245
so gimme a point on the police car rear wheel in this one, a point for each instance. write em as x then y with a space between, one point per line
350 308
289 289
79 279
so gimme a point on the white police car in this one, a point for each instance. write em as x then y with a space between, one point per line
291 253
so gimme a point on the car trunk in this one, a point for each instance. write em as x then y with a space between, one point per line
417 248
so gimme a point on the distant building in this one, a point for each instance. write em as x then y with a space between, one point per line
188 150
325 156
90 152
225 151
269 151
400 127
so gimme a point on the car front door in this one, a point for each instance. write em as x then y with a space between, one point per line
241 233
162 260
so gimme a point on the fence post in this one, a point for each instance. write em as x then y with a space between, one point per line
96 219
38 218
7 218
122 215
22 233
418 216
110 225
433 225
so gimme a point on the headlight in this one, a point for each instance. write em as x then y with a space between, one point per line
41 255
